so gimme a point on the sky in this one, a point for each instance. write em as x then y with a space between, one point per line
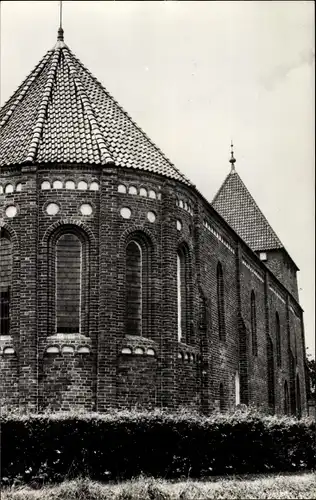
195 75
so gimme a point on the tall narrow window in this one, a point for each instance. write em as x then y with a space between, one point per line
278 338
298 397
221 302
5 282
179 297
292 383
221 397
68 274
237 388
134 302
253 324
286 399
270 356
182 295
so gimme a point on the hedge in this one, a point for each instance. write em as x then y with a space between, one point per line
41 448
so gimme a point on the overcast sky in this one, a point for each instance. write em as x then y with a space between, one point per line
194 75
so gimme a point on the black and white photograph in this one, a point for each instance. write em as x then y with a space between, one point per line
157 250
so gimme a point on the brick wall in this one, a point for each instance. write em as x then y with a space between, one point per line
67 380
104 365
282 267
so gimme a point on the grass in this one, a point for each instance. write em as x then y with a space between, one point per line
268 486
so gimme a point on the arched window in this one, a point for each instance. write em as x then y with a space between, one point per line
222 405
5 282
182 294
133 288
298 397
286 399
253 324
278 338
138 287
68 284
270 357
221 302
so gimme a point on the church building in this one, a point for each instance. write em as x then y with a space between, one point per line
121 285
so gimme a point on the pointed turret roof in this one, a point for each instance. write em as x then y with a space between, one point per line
235 204
62 114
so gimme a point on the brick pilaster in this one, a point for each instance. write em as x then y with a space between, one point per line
28 376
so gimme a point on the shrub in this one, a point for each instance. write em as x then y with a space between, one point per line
41 448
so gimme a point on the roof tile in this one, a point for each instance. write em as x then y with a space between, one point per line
61 113
235 204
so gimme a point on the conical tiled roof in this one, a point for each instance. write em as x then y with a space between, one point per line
62 114
236 205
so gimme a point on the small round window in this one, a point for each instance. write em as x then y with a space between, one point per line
52 209
121 188
179 225
86 209
11 211
18 187
125 212
57 185
151 216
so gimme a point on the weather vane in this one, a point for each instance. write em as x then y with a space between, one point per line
60 36
232 160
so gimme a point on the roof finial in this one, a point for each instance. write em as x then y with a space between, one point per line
232 160
60 36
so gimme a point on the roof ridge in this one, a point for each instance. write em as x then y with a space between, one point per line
38 127
105 155
129 117
25 85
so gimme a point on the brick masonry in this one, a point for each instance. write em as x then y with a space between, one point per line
103 366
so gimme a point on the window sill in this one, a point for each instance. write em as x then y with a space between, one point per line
136 344
67 343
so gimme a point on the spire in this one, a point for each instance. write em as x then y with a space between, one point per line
60 35
232 160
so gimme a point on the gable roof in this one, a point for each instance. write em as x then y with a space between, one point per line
62 114
235 204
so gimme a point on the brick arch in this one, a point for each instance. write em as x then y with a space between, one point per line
183 242
136 230
69 222
12 233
